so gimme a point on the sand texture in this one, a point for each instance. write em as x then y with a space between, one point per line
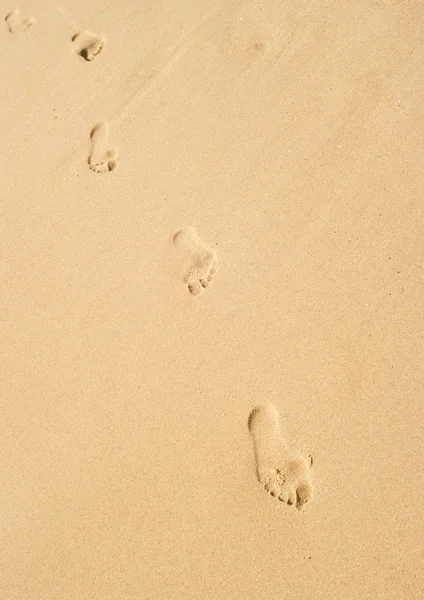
211 292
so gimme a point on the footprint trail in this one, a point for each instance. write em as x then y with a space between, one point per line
201 261
103 158
283 474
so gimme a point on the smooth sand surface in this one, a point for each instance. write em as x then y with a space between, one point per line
286 138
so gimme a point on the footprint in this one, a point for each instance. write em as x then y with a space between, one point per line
102 157
88 44
201 263
283 475
16 23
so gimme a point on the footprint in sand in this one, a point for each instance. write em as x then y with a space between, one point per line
102 158
283 474
16 23
88 44
201 261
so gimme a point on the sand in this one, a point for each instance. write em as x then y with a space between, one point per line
207 208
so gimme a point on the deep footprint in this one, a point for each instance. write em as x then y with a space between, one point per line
88 44
16 23
201 261
102 157
283 475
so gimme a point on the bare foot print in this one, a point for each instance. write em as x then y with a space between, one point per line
16 23
102 157
283 475
201 261
88 44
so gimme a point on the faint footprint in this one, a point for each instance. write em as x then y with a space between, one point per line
283 475
16 23
102 157
88 44
201 263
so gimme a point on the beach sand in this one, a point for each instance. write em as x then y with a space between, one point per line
209 209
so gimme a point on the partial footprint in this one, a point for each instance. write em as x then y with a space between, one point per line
16 23
102 158
201 261
88 44
283 475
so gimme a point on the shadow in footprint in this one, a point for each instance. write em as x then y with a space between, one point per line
16 23
88 44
